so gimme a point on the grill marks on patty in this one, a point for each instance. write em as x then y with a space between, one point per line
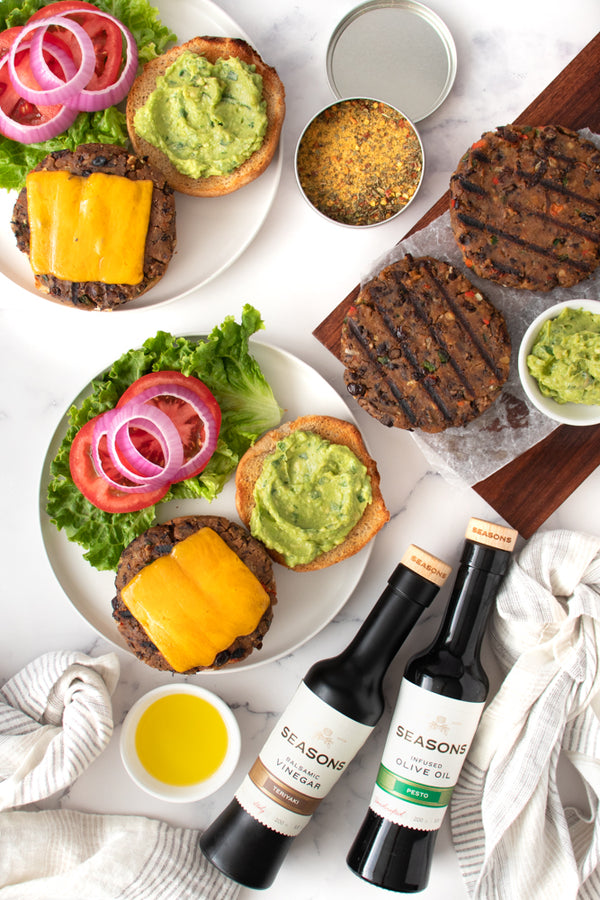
422 348
525 207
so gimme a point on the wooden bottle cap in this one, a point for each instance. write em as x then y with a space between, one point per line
498 536
423 563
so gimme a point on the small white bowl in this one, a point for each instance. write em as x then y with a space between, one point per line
163 790
566 413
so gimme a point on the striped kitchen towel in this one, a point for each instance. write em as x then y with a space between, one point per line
55 719
514 836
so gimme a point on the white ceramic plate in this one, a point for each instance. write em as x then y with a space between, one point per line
212 232
307 601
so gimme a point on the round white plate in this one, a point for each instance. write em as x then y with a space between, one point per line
212 232
307 601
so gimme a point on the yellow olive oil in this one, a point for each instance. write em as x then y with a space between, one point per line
181 739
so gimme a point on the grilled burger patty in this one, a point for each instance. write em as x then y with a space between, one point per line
525 207
158 541
160 240
423 348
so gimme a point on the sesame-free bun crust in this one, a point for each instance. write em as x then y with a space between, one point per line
212 48
337 431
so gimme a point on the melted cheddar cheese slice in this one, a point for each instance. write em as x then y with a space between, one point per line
88 228
194 602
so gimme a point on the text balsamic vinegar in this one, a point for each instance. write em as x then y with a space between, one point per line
334 710
439 705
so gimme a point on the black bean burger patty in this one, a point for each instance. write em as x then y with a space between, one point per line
160 240
158 541
525 207
423 348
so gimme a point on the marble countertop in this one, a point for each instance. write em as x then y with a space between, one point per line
295 271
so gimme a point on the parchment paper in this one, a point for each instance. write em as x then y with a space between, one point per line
511 425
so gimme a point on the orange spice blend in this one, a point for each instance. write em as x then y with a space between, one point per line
360 162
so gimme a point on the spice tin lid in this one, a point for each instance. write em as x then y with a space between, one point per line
399 51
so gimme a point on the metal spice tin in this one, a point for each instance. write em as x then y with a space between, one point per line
359 162
397 50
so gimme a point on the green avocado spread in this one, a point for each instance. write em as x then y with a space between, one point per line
207 118
308 497
565 358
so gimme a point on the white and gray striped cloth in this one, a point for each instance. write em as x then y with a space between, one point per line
55 718
513 834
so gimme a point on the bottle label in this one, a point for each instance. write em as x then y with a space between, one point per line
427 744
302 759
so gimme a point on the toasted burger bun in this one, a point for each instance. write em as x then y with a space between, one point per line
158 541
336 431
212 48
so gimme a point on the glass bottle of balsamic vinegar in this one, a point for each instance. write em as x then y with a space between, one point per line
439 705
334 710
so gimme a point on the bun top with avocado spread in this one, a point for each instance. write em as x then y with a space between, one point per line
208 114
309 490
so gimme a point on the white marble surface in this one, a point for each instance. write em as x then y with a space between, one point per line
295 272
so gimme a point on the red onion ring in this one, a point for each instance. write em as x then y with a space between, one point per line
137 414
211 430
59 50
63 90
31 134
85 100
140 412
173 453
132 456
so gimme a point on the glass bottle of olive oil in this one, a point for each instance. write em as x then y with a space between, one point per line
441 700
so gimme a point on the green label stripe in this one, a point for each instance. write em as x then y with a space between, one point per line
412 791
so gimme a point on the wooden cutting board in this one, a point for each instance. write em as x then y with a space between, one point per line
528 489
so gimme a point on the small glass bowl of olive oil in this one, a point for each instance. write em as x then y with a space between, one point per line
180 743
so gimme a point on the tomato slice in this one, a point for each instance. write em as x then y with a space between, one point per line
188 423
7 37
97 489
106 37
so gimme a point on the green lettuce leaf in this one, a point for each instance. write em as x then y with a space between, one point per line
224 363
105 127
